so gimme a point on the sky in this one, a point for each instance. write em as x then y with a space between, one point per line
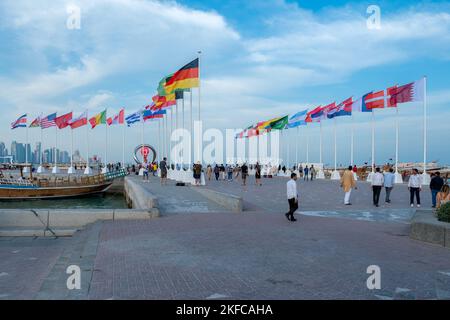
260 59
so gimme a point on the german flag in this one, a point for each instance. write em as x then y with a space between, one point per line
185 78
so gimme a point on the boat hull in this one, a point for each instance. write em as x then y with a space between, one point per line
30 192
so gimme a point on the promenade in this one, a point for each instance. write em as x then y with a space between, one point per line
211 253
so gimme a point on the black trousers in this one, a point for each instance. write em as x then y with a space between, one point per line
376 194
293 206
412 192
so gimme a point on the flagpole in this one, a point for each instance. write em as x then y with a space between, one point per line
182 126
425 176
307 148
123 141
141 170
55 168
105 169
87 170
170 135
321 174
398 176
335 175
296 148
288 149
41 168
352 160
176 128
369 177
199 101
191 130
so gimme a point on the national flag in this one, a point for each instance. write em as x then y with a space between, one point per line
21 122
80 121
117 119
149 114
48 121
36 123
315 115
253 131
298 119
411 92
185 78
279 124
342 109
360 105
98 119
391 97
64 120
375 100
160 102
133 118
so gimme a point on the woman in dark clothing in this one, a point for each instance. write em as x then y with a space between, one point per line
258 174
217 172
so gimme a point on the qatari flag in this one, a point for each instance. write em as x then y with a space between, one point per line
411 92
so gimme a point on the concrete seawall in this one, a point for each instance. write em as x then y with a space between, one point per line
426 227
61 222
138 197
226 200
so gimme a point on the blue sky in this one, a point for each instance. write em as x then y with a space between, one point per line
260 59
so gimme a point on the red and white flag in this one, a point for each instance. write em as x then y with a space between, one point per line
117 119
80 121
64 120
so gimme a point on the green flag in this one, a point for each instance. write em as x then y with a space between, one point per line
279 124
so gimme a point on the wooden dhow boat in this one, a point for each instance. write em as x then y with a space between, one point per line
56 187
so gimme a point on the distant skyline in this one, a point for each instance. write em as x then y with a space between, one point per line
260 59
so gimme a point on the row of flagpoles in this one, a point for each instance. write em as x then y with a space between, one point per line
389 98
170 90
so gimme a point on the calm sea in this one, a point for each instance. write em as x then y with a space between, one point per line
105 201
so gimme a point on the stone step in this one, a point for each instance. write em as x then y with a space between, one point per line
36 232
81 252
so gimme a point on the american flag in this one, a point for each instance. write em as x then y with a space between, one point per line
48 121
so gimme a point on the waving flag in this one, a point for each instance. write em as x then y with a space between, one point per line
315 115
48 121
185 78
117 119
133 118
342 109
360 104
279 124
64 120
148 114
298 119
98 119
411 92
375 100
36 123
80 121
20 123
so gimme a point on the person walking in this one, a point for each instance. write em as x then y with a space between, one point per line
292 196
377 184
244 173
306 173
258 174
436 185
348 183
209 172
312 171
163 168
230 172
197 173
222 171
415 186
389 180
443 196
217 172
145 166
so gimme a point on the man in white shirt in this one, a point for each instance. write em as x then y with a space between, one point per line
377 184
292 197
415 186
389 180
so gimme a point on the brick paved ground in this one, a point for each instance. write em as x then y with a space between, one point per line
254 255
323 198
263 256
25 263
